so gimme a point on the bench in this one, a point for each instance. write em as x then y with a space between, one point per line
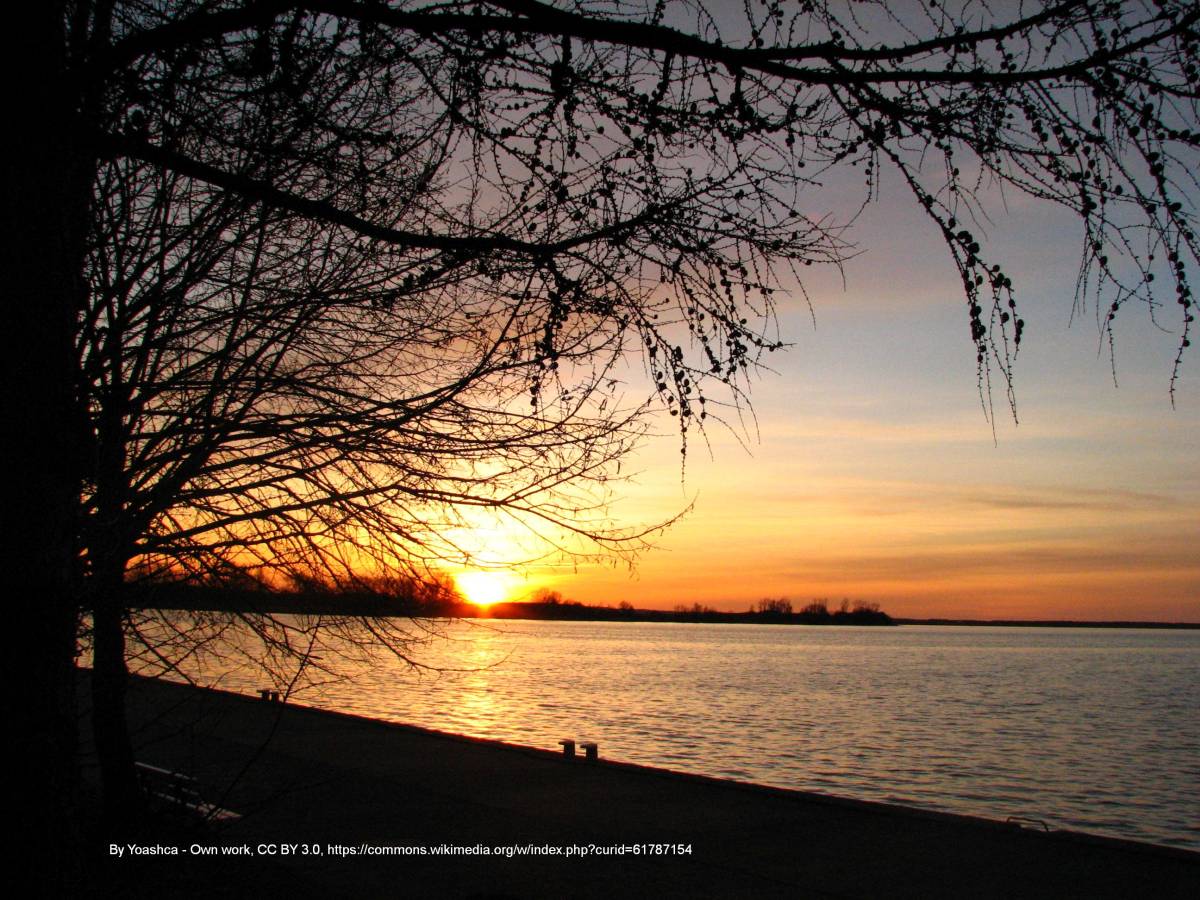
590 749
179 790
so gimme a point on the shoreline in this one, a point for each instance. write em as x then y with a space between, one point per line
880 807
338 778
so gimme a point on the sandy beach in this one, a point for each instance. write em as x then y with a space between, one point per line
337 805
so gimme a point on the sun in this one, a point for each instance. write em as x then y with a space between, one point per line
482 588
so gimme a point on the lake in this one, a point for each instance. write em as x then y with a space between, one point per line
1089 729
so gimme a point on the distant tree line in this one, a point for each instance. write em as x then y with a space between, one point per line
391 595
781 610
399 596
860 612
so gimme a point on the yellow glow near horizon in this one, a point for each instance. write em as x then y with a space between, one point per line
483 588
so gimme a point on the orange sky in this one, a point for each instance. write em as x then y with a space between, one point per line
874 473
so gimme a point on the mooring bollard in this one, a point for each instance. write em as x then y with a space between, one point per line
591 750
264 693
568 746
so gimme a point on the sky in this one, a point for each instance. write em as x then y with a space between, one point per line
874 474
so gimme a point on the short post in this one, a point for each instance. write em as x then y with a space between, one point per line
568 746
275 696
265 693
591 751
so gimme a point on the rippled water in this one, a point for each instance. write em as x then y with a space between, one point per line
1088 729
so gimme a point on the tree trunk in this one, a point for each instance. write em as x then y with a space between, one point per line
108 554
42 252
122 796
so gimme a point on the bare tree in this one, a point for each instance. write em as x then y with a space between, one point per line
780 607
482 200
265 401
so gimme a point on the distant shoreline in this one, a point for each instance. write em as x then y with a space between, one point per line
229 599
1051 623
222 599
185 597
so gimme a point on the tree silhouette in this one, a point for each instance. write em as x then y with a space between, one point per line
262 398
272 262
780 607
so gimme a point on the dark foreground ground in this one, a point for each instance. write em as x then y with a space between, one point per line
303 777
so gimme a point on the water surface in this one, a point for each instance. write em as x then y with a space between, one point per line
1090 729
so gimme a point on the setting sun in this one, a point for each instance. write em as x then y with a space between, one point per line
483 588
